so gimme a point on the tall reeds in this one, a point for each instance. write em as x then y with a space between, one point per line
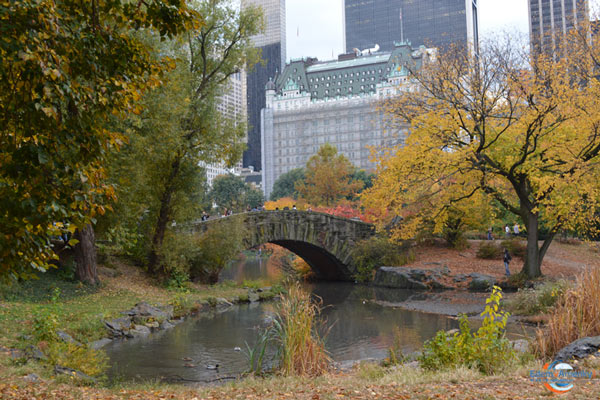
576 315
301 351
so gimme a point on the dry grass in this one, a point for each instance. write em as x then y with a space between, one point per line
302 351
575 316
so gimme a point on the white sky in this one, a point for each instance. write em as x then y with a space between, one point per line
314 27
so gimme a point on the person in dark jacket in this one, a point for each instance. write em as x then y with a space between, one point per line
507 259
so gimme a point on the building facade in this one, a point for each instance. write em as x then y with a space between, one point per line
435 23
551 19
273 48
312 103
232 105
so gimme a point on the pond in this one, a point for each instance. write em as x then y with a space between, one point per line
359 322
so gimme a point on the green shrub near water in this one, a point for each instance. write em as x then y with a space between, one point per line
378 251
487 349
538 300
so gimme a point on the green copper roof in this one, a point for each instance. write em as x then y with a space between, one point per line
351 77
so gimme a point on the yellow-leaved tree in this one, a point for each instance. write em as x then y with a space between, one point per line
501 126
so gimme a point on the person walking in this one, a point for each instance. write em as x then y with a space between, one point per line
507 231
507 259
489 234
516 229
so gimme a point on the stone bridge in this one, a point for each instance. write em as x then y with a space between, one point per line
324 241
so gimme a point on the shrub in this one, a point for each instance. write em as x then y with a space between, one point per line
372 253
538 300
486 350
396 356
576 315
489 251
90 362
515 247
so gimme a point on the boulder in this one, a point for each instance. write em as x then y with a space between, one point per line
153 325
520 345
139 331
460 278
581 348
31 378
60 370
253 297
144 310
481 282
119 326
408 278
98 344
65 337
166 325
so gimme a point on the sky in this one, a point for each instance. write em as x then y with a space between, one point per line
314 27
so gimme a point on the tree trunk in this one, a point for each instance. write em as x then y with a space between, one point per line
533 260
85 256
163 218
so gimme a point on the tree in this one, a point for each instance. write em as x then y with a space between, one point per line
228 191
216 50
65 67
328 178
254 197
497 126
285 185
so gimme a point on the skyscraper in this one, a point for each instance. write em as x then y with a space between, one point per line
272 44
550 19
435 23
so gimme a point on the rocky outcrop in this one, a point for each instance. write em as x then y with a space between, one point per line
481 282
580 348
410 278
140 321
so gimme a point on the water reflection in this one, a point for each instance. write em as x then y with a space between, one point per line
252 267
357 329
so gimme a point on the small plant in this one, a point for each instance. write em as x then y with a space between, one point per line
489 251
181 304
256 354
90 362
486 350
539 300
45 325
395 356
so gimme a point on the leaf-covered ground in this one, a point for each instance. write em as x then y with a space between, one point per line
394 385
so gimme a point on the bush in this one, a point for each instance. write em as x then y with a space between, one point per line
375 252
489 251
576 315
515 247
486 350
539 300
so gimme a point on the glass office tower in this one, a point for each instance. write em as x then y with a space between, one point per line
550 19
272 45
433 23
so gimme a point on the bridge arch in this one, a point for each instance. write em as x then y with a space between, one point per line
324 241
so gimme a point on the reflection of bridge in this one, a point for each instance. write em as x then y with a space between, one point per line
324 241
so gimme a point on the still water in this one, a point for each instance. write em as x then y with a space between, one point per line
357 326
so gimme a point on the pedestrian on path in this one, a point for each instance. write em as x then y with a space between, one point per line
507 259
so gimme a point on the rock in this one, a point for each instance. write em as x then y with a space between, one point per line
119 326
111 273
166 325
581 348
460 278
153 325
481 283
223 301
65 337
139 331
408 278
264 289
253 297
73 373
98 344
31 378
144 310
520 345
32 352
